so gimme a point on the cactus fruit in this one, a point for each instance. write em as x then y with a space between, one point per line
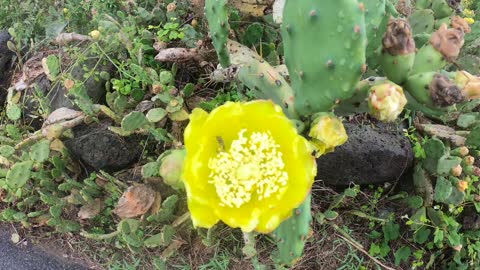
469 84
217 17
293 233
444 45
386 101
323 75
171 168
398 53
434 90
422 21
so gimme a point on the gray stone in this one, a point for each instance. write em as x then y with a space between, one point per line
101 149
373 154
5 65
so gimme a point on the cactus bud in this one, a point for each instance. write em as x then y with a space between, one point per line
468 160
456 171
95 34
469 84
462 185
460 151
171 168
327 132
476 171
386 101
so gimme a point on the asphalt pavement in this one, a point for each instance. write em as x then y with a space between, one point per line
29 257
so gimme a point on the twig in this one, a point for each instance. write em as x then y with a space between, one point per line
360 248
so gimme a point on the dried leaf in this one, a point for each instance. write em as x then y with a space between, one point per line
90 210
135 201
62 114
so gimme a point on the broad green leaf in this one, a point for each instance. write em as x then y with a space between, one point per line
391 231
14 112
402 255
6 150
133 121
40 151
156 115
443 189
19 174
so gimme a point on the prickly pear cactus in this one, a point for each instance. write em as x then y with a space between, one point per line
217 17
293 233
325 43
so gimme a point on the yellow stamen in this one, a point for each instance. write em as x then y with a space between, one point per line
252 166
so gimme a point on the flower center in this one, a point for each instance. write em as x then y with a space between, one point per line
252 166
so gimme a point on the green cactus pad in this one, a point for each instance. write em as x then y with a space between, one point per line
325 43
292 234
376 20
268 84
423 4
422 21
441 9
217 17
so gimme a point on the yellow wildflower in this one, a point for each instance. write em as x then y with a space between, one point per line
470 20
246 165
326 133
462 185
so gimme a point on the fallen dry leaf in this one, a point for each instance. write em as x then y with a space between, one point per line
90 210
135 201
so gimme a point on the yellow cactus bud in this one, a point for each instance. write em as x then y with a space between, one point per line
95 34
326 133
386 101
462 185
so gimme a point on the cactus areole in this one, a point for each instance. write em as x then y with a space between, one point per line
325 43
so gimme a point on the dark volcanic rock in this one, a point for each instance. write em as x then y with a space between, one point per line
372 154
102 149
5 65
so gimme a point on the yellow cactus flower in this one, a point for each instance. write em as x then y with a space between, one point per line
326 133
386 101
468 13
246 165
470 20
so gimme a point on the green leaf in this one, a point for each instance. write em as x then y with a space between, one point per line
53 64
6 150
443 189
456 197
150 169
40 151
19 174
402 255
421 235
414 202
156 115
133 121
374 249
166 77
14 112
188 89
56 210
438 236
391 231
159 264
330 215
